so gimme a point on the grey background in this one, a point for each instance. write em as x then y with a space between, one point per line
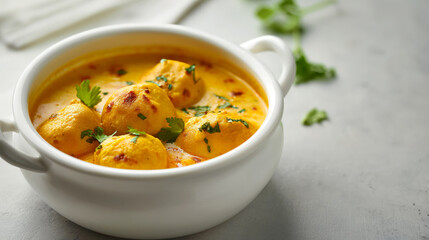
363 174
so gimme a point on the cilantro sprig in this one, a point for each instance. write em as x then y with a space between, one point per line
96 134
230 120
307 71
314 116
206 127
226 104
170 134
199 110
191 69
89 97
136 133
285 16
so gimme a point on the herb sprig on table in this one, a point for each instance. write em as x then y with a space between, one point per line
285 17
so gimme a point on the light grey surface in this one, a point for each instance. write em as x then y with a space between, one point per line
361 175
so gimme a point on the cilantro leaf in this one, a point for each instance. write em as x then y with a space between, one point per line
159 85
121 72
199 110
129 83
96 134
135 132
238 120
185 110
161 78
226 105
307 71
141 116
314 116
222 97
191 69
206 127
89 97
284 16
163 60
171 133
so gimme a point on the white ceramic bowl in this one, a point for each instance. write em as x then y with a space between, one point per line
151 203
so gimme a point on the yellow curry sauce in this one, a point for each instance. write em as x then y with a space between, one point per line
226 98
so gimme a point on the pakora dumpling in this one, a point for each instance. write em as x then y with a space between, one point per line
145 107
132 152
179 80
63 129
214 134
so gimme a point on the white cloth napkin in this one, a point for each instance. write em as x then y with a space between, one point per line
26 22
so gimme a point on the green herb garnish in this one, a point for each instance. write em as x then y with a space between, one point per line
154 83
285 15
226 105
170 86
184 110
161 78
242 110
121 72
200 110
129 83
89 97
136 133
105 93
314 116
170 134
96 134
307 71
208 146
191 69
222 97
141 116
163 60
206 127
238 120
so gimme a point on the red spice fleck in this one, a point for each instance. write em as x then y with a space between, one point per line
109 107
145 98
120 157
130 97
123 158
154 108
206 64
186 93
146 90
254 108
197 159
236 93
229 80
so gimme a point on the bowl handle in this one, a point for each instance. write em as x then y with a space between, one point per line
278 46
14 156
